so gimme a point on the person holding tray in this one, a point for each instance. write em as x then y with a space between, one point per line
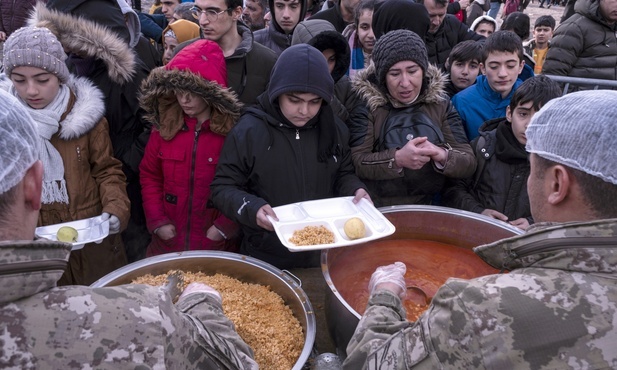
289 148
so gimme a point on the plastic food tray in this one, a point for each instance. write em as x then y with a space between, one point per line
331 213
89 230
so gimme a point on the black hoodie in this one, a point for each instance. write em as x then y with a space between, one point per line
274 37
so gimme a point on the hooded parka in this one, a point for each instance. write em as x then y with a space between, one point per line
181 158
387 184
268 160
584 45
501 184
94 179
274 37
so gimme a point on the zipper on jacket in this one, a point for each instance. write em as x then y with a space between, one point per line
549 245
78 149
297 134
32 266
191 190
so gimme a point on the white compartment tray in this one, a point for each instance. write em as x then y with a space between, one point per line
89 230
331 213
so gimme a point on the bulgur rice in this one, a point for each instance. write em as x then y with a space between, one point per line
312 235
261 317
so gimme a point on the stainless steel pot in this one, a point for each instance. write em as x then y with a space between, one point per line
439 224
241 267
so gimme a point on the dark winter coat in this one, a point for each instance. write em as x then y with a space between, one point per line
180 162
274 37
387 184
332 15
14 14
451 32
500 182
583 46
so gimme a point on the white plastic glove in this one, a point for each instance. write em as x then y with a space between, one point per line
393 274
114 222
200 288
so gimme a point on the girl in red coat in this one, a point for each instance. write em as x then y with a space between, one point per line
192 110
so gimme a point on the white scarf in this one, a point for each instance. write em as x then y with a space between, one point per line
48 123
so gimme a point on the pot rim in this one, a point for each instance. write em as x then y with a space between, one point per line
414 208
291 281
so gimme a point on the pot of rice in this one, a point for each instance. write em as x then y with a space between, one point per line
244 276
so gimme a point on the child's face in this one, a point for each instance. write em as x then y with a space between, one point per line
36 86
502 69
485 29
520 119
463 74
169 47
365 31
194 106
299 108
287 14
542 34
330 56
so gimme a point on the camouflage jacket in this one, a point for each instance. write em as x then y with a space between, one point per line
556 309
126 327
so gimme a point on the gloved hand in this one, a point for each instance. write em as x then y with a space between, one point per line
114 222
200 288
391 277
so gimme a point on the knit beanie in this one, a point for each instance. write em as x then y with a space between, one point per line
577 130
396 46
35 47
301 68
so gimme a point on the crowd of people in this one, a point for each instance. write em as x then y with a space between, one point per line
186 125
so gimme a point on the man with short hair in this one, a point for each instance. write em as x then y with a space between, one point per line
286 14
253 14
585 44
122 327
445 32
541 42
340 15
248 63
556 306
168 7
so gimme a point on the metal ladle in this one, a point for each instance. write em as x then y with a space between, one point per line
417 295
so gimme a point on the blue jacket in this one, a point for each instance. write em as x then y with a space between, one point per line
479 103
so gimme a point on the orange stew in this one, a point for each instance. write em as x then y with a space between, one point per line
429 265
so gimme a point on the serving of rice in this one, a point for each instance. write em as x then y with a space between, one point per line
261 317
312 235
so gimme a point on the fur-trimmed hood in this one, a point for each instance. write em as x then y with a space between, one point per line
86 107
88 39
433 89
163 111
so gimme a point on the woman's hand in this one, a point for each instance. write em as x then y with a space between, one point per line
214 234
418 152
359 194
262 220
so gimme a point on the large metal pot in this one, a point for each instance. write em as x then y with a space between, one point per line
241 267
445 225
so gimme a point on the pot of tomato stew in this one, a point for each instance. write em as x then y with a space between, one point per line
435 243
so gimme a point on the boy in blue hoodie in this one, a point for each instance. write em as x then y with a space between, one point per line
499 187
488 98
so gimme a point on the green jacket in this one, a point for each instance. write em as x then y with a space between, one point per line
554 310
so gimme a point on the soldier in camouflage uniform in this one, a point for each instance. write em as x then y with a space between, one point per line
556 308
76 327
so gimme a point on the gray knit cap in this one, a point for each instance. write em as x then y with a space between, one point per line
35 47
397 46
578 131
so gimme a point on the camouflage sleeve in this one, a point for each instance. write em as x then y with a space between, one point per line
215 333
443 337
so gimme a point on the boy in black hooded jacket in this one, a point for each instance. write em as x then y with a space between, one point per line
498 188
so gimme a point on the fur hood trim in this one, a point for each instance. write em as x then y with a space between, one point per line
86 38
365 85
86 107
159 101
